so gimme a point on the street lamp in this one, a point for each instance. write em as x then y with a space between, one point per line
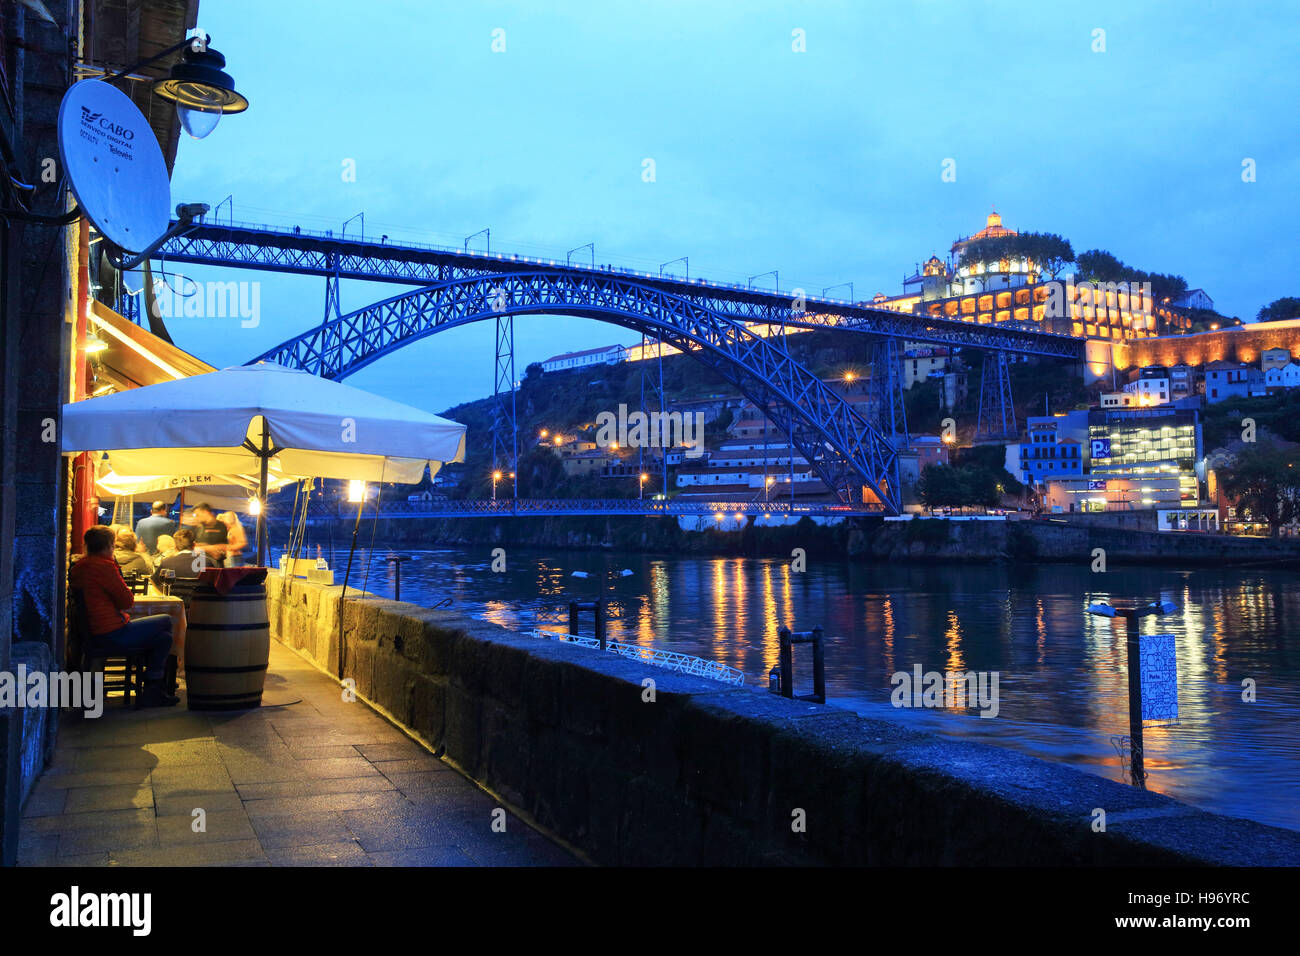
767 487
199 86
1133 658
641 489
496 476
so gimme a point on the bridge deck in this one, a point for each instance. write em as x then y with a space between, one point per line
541 507
303 252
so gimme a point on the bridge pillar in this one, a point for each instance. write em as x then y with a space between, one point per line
886 394
505 440
656 389
997 414
332 304
1100 359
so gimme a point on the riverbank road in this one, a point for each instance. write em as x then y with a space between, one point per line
307 779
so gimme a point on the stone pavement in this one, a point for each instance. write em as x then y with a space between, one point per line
316 782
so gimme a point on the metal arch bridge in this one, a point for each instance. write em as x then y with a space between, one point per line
717 323
844 448
251 246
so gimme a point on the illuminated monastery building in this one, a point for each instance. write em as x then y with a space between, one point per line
1016 290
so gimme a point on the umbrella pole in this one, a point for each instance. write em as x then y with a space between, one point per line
261 497
355 526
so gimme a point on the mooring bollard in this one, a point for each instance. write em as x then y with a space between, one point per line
598 607
784 683
396 561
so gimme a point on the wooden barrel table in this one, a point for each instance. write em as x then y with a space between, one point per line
227 647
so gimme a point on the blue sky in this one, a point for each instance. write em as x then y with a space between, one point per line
825 164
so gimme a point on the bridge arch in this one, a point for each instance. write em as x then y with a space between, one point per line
847 452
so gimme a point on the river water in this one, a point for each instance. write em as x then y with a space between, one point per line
1061 675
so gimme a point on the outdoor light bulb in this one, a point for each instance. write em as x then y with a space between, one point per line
496 476
254 506
356 491
198 123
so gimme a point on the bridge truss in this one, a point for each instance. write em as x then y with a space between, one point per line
847 452
731 328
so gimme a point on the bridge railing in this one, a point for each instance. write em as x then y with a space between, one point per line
809 316
540 506
503 257
657 657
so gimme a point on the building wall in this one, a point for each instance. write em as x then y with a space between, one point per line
610 356
34 343
1242 343
1101 493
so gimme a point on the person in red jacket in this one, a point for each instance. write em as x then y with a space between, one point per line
106 599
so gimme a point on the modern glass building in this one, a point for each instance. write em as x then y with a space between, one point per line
1147 444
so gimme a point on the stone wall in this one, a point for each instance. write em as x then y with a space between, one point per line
709 774
1064 540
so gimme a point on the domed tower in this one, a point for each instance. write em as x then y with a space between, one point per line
984 276
935 279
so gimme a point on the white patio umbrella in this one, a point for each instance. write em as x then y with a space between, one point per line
224 492
258 419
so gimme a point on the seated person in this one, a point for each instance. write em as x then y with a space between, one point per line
106 597
129 556
210 535
157 523
166 546
186 562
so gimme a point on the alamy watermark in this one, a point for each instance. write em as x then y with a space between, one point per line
75 690
953 689
211 300
1061 296
651 430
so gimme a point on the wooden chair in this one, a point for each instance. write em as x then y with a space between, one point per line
183 588
123 670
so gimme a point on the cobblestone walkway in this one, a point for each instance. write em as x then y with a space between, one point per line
316 782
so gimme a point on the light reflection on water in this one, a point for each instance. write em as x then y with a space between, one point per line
1062 679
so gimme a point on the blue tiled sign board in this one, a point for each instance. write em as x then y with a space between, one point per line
1158 669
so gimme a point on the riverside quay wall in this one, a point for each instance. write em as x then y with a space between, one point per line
700 773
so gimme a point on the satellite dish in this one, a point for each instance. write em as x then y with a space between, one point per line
114 164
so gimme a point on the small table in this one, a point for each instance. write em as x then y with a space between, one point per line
155 602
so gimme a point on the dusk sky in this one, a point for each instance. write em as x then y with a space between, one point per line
825 165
